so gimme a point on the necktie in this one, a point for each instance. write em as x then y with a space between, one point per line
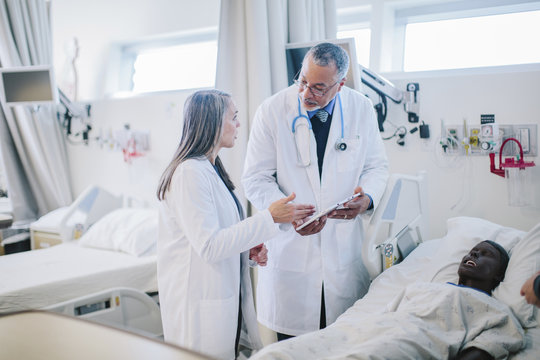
322 115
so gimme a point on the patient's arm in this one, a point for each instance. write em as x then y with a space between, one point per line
473 353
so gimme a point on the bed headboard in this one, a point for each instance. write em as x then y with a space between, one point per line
400 219
91 205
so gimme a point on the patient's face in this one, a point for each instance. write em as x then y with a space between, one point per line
481 263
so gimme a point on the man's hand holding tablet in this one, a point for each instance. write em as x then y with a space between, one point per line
332 211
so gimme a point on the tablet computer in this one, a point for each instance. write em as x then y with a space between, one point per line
328 210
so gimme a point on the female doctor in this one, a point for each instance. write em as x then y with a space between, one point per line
203 278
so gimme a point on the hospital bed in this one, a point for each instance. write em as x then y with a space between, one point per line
36 335
109 275
434 260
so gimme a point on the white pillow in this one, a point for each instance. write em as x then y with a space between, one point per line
462 235
130 230
524 262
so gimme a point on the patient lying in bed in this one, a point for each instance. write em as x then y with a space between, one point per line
427 320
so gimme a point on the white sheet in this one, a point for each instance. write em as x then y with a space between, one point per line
39 278
427 320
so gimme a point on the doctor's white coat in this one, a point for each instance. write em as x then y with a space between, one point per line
202 261
289 288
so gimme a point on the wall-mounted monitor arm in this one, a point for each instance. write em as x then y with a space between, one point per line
385 89
75 110
380 85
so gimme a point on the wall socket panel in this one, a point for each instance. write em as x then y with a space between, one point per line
526 134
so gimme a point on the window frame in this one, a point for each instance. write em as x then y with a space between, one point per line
388 19
129 51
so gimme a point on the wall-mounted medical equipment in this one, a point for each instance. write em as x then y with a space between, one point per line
35 86
518 179
132 143
70 222
75 111
482 139
27 85
412 107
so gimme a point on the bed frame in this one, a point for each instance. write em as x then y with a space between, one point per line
398 224
123 308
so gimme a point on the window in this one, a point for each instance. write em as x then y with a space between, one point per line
185 62
362 41
354 22
472 42
412 35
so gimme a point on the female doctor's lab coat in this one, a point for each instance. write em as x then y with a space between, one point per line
289 287
202 262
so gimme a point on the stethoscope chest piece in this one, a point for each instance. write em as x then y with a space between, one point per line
341 144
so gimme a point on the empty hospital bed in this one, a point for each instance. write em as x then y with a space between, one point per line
108 275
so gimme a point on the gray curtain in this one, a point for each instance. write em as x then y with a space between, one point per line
32 146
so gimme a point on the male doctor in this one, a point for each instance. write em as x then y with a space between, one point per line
319 139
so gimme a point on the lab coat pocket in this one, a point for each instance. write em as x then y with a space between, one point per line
219 321
349 159
348 240
289 251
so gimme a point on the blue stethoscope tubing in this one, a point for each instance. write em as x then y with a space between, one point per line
302 116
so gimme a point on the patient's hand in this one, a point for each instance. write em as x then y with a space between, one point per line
473 353
259 254
527 290
310 229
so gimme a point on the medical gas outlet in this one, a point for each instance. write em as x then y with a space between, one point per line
487 138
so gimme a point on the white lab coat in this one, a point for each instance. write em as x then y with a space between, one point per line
202 257
289 288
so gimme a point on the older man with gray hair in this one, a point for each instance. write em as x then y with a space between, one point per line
319 139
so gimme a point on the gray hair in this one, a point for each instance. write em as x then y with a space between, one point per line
203 125
324 54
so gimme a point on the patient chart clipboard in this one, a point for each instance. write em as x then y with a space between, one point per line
328 210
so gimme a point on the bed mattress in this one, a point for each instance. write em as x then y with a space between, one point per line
40 278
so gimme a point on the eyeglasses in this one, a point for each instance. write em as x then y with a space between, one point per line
316 92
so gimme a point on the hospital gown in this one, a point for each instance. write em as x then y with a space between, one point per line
426 321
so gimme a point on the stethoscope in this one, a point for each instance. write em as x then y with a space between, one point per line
302 119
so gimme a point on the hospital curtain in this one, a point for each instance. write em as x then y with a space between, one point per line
32 147
251 55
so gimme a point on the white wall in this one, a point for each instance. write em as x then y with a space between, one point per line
92 164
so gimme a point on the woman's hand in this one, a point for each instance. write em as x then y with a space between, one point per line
283 211
259 254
